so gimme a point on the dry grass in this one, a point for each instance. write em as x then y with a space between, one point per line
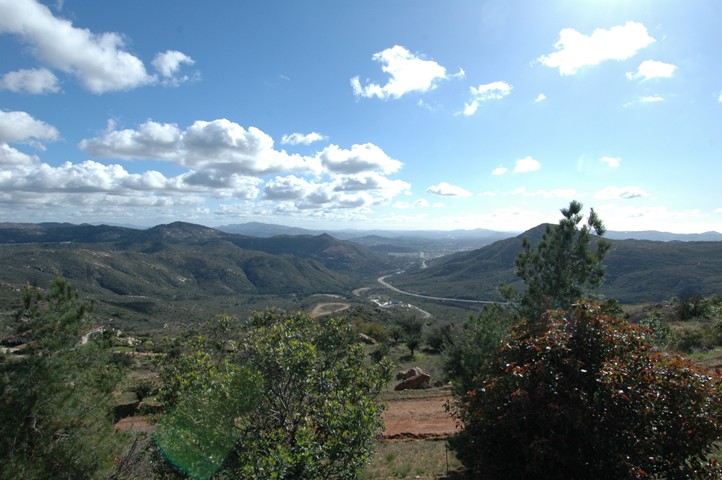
422 459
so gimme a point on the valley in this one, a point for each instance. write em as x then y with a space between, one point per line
176 275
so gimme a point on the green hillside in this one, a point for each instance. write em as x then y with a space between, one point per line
180 271
637 270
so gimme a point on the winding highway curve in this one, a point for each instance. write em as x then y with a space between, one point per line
382 281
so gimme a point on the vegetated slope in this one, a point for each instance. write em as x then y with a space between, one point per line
147 270
637 270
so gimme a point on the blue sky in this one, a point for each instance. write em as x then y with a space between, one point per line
375 114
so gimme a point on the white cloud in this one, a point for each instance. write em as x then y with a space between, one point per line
575 50
484 93
35 81
219 145
169 62
408 73
540 98
223 161
499 171
99 61
613 162
624 193
302 139
719 99
445 190
649 69
526 165
21 127
360 158
645 100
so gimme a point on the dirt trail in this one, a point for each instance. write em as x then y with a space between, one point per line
328 309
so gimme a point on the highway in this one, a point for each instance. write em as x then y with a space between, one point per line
382 281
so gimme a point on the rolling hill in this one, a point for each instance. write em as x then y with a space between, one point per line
155 270
637 270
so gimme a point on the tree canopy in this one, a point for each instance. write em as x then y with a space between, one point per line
56 398
308 407
563 266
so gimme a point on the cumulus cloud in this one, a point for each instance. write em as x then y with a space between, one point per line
499 171
624 193
233 161
21 127
302 139
526 165
35 81
99 61
575 50
216 145
484 93
649 69
446 190
222 161
540 98
407 73
612 162
169 62
358 159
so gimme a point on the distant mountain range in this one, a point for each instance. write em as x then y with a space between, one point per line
258 229
636 270
170 270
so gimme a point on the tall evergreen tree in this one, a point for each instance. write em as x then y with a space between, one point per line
563 266
55 399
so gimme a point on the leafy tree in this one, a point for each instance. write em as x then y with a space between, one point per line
579 394
313 414
411 328
206 395
56 398
563 266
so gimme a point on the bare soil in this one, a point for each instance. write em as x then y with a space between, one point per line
328 308
418 418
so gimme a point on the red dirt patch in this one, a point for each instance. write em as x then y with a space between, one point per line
422 418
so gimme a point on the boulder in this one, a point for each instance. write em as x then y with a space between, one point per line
411 372
366 339
417 382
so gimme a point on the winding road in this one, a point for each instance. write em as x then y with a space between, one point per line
382 281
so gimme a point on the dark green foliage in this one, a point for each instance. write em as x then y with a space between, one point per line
314 415
471 349
689 307
562 267
578 394
660 333
411 332
55 400
439 336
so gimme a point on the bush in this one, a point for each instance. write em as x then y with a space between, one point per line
294 398
579 394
